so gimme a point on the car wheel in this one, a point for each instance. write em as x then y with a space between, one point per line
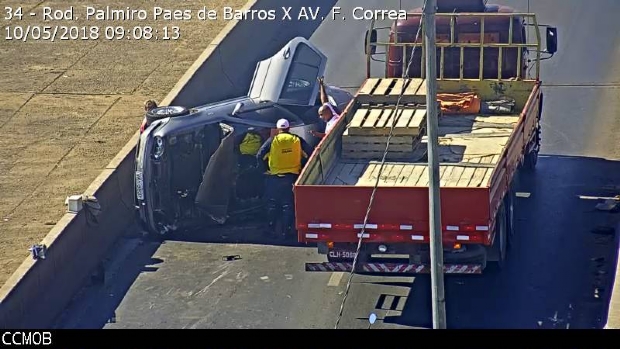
165 112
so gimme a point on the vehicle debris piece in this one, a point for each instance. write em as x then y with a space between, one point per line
231 258
610 204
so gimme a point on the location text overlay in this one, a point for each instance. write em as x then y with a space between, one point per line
48 23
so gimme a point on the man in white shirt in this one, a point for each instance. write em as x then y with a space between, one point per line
327 112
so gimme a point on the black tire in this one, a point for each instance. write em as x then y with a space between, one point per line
501 236
509 203
165 112
531 158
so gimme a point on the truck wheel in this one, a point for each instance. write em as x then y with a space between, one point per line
500 244
509 201
165 112
531 158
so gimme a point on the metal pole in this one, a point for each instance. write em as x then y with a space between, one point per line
436 246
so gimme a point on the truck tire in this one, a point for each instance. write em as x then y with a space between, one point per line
531 158
509 203
165 112
499 247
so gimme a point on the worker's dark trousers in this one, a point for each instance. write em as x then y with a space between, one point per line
280 200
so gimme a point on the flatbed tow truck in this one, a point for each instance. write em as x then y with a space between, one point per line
489 129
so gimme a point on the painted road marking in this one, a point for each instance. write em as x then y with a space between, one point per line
334 280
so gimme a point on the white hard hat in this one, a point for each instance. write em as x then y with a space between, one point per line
282 124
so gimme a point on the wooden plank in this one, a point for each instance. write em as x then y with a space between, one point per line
384 118
395 174
487 178
372 118
415 175
390 121
486 159
333 173
405 118
384 85
405 174
375 174
455 176
377 155
466 177
357 172
376 147
397 89
365 177
423 179
354 139
478 176
419 116
343 175
445 172
358 118
414 86
386 176
369 86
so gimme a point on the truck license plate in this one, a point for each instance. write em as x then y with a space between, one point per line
342 254
139 186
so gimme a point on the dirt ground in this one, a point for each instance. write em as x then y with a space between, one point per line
67 108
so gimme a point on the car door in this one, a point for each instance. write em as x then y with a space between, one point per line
290 76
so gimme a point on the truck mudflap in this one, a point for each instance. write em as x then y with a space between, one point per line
393 268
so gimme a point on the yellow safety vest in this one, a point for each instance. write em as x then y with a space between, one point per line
251 144
285 154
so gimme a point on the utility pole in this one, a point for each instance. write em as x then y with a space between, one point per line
436 246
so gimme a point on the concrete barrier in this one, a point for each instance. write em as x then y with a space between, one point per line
37 293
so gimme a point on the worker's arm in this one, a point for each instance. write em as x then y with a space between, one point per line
324 98
307 149
318 134
263 152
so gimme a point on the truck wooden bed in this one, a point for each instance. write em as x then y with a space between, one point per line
470 146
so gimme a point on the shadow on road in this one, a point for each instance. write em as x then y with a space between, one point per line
561 268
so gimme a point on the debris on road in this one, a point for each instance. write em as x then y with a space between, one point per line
610 204
231 258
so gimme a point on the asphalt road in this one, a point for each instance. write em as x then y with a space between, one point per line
550 279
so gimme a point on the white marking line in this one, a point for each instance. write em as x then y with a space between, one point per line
334 280
523 195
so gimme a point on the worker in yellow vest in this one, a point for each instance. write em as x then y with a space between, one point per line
284 154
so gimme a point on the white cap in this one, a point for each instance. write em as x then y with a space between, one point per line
282 124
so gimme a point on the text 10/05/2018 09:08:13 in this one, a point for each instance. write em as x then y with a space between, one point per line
59 32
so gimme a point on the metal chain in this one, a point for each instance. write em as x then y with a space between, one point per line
374 189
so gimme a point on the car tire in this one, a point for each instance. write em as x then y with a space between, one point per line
165 112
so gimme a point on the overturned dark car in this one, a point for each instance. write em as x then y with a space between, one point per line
190 168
